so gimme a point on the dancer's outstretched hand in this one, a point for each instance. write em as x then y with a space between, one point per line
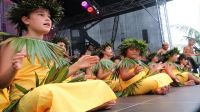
17 59
87 61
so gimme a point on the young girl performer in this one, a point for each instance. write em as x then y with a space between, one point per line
34 69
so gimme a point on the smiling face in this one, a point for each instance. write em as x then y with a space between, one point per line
133 53
38 21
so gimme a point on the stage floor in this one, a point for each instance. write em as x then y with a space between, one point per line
181 99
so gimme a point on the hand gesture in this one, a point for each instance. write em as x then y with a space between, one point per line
17 59
138 69
168 67
156 67
87 61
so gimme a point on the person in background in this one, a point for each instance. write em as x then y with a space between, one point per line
105 69
185 64
153 60
90 49
164 49
64 44
193 57
180 76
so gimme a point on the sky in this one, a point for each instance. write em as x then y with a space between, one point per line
183 12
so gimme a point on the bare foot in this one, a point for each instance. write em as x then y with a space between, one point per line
190 83
107 105
162 91
110 104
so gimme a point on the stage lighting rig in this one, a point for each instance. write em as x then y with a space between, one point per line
90 7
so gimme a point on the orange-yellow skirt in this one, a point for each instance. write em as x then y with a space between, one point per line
66 97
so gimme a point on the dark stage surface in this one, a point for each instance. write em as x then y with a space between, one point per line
182 99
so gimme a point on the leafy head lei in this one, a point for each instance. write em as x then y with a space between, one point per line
133 43
25 7
100 50
171 53
151 56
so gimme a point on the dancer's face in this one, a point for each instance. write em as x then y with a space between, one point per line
174 58
38 21
133 53
108 51
155 59
62 45
184 61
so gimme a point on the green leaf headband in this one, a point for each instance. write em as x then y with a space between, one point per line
171 53
133 43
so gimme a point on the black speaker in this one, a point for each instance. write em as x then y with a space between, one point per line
145 35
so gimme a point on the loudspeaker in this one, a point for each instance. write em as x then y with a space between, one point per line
145 35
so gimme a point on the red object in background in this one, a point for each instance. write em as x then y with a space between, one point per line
90 9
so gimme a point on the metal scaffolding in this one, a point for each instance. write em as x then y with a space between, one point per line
107 11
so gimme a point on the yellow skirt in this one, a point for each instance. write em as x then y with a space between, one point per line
66 97
147 84
183 77
4 99
152 83
114 84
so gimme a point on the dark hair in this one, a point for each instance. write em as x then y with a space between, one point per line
90 44
132 43
151 56
103 48
170 53
60 39
26 7
181 57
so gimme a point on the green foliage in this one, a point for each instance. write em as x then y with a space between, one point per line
37 81
21 89
46 52
4 34
61 75
133 43
171 53
189 32
126 63
11 107
131 89
78 79
106 65
103 46
151 56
